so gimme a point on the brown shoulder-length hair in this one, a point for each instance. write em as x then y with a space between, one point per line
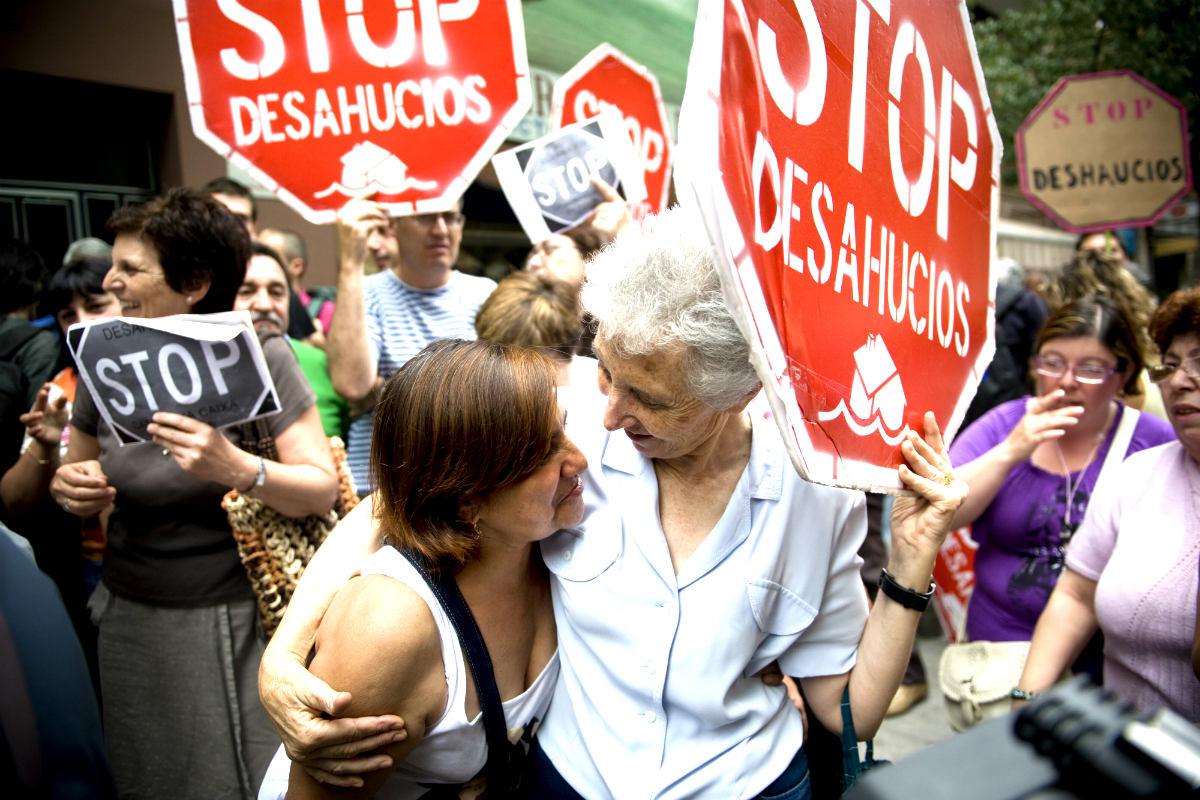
1102 319
1177 316
457 422
196 239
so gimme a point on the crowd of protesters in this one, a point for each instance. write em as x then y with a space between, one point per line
641 560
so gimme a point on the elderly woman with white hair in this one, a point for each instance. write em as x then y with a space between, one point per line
702 559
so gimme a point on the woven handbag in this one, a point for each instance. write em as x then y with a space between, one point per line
275 548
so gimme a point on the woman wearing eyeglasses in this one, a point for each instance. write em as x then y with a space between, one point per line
1132 570
1031 464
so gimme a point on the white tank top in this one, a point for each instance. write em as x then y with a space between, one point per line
454 750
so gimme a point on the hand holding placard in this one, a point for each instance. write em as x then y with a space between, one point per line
209 367
550 182
201 450
355 222
611 216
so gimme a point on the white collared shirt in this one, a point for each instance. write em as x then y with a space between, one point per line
656 697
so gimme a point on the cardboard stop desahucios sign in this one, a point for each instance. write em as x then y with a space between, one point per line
846 162
209 367
325 101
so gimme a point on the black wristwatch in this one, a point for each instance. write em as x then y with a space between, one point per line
902 595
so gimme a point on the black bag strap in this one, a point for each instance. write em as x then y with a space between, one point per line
852 766
478 662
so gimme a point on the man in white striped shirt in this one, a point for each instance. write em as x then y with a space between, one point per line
383 320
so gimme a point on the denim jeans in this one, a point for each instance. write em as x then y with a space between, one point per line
793 784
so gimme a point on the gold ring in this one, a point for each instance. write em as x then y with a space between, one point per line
947 479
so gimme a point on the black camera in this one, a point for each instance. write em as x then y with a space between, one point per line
1076 741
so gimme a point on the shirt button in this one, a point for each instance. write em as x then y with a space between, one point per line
566 555
659 604
650 716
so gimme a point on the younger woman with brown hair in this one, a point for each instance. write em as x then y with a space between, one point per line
473 469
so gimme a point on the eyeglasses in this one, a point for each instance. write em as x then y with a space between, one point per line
1162 372
1053 367
453 219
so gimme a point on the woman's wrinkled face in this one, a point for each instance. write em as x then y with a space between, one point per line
649 399
84 308
1181 392
559 256
138 282
1074 353
548 500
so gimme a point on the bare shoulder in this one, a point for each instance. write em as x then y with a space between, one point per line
379 642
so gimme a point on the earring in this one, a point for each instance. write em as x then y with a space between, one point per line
475 527
189 299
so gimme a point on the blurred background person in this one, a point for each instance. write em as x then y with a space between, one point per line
1111 243
28 354
1131 570
564 255
57 749
1032 464
264 293
179 631
382 320
1097 272
537 310
87 247
236 197
68 549
316 303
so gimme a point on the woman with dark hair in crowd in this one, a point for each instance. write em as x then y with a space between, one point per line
179 637
474 470
75 293
1032 464
69 550
1131 572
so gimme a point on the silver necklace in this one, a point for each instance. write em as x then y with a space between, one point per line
1073 488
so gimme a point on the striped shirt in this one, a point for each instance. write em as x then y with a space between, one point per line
401 320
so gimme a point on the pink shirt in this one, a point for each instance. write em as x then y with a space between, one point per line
1140 542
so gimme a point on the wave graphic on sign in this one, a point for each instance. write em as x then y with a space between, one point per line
367 167
877 400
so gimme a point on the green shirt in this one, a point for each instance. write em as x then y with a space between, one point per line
335 414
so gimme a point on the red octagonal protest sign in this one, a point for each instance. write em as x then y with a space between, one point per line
325 101
846 161
607 77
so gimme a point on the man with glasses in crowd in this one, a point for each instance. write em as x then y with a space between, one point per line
383 320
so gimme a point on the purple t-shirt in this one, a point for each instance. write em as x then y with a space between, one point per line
1021 533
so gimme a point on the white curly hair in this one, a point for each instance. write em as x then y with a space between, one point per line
656 288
